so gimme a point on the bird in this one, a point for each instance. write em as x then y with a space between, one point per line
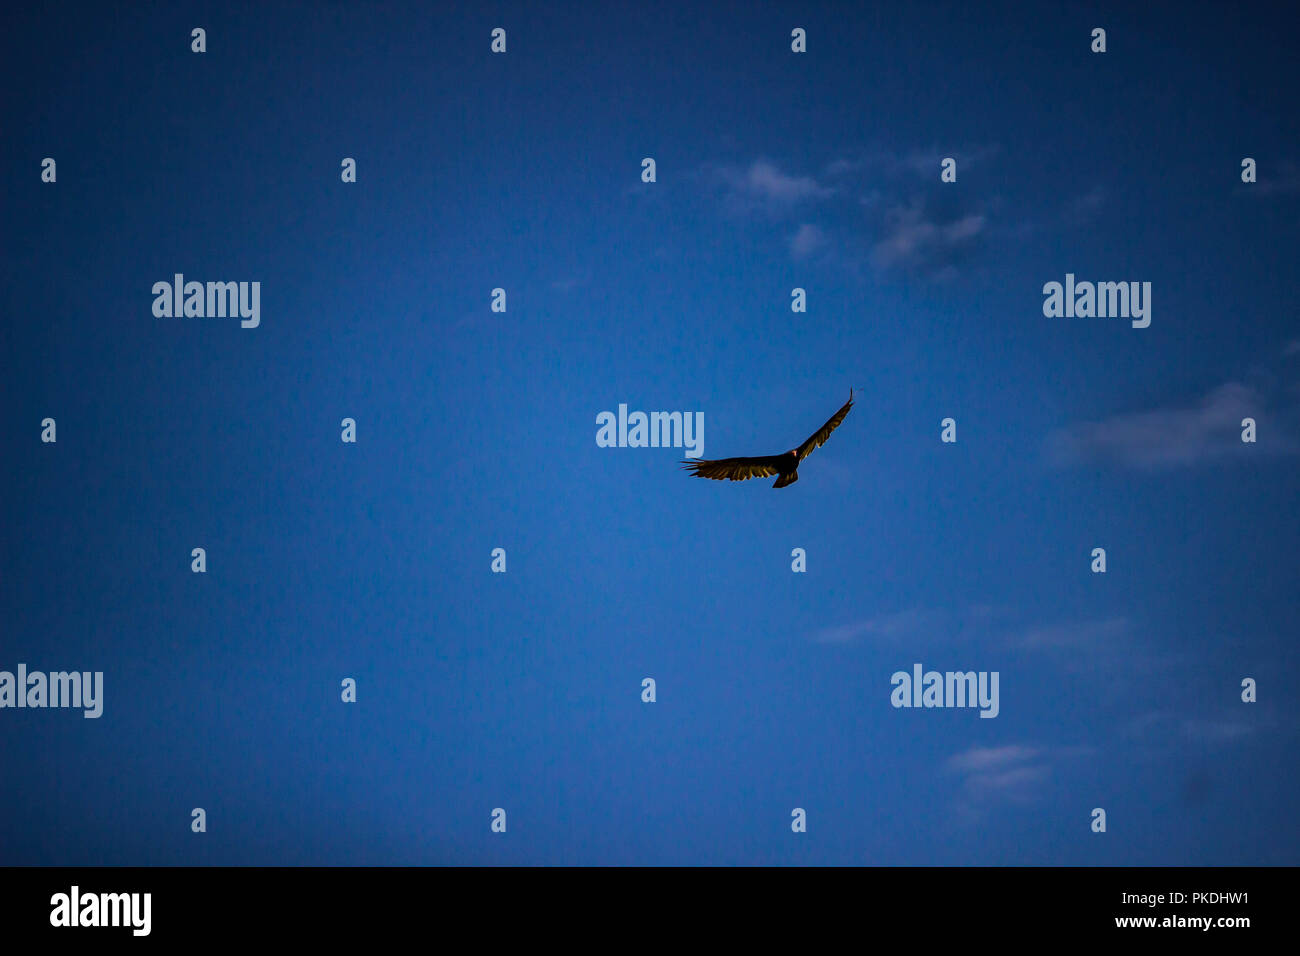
785 465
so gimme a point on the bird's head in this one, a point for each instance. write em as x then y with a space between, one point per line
793 452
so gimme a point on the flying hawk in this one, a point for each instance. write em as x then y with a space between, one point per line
787 465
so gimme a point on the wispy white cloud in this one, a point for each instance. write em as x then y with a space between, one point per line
1084 635
1279 178
1110 651
1162 726
807 241
1082 209
567 285
1015 784
916 239
917 625
1000 627
891 626
918 163
995 776
905 228
1163 437
915 230
1217 731
991 759
766 180
764 187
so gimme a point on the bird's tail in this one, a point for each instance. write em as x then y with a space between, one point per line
789 479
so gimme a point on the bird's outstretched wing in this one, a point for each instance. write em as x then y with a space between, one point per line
817 439
732 469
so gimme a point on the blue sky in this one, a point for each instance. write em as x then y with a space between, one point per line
476 430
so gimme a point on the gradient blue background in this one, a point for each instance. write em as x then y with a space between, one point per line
476 431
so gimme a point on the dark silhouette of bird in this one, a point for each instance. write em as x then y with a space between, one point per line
786 465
